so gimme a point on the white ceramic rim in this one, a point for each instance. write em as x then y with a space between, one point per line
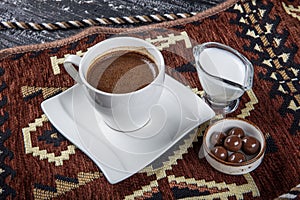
146 44
233 170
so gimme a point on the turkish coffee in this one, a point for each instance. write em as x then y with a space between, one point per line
122 71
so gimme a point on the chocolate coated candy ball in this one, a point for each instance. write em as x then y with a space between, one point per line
250 145
233 143
217 138
237 131
220 152
237 157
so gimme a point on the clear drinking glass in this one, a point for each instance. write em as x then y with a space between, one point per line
224 74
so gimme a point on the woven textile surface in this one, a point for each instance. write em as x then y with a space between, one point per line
37 162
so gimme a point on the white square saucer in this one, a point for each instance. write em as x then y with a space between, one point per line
120 155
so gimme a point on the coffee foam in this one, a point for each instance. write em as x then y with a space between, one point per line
149 59
126 49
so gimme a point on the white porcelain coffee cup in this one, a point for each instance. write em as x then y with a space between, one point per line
127 111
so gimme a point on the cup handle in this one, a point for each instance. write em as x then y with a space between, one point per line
69 63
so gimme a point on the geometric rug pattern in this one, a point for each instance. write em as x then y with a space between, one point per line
38 162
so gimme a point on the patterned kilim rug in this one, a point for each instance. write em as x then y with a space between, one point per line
37 162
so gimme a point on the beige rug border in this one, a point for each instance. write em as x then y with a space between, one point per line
99 29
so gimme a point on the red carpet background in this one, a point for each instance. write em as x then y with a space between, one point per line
37 162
